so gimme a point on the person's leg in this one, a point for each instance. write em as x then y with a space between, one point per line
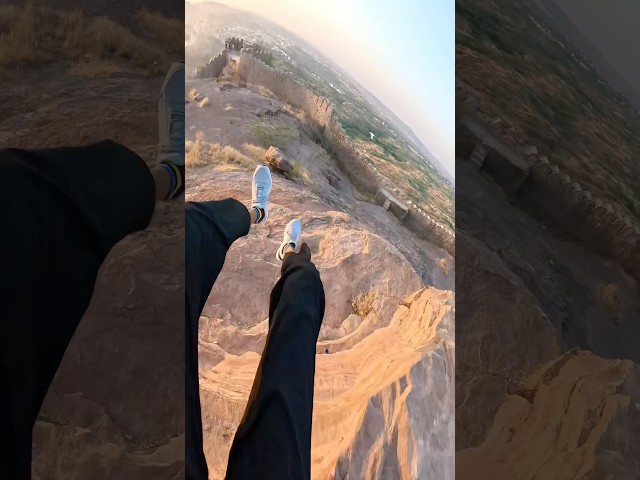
62 211
274 436
170 168
210 230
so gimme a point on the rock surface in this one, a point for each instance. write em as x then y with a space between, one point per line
370 415
276 159
116 406
574 418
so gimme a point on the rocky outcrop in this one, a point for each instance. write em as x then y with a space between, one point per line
373 372
370 419
277 160
576 417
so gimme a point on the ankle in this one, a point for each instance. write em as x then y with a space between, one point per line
176 175
258 214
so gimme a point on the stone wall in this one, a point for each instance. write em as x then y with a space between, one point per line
213 68
553 196
356 166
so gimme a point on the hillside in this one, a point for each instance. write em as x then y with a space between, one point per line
547 235
383 313
381 136
546 90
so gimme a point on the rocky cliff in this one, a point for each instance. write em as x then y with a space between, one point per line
374 371
574 418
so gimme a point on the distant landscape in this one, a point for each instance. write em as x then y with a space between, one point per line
515 56
389 144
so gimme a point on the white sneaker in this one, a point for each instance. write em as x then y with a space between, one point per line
292 234
171 116
260 189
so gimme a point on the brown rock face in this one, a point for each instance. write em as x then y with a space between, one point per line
277 160
573 418
371 414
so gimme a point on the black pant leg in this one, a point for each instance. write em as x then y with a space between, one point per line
211 228
61 212
274 436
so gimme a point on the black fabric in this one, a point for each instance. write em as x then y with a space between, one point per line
210 229
62 210
274 436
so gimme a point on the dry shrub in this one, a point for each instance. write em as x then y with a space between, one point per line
198 153
105 39
72 26
444 266
204 102
23 32
232 155
254 151
362 303
169 31
611 298
201 153
299 172
8 16
32 35
192 95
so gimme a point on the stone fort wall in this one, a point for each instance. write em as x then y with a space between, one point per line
357 167
213 68
553 195
321 122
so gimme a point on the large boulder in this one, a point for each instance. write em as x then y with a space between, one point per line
278 160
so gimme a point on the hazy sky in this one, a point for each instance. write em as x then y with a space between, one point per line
414 75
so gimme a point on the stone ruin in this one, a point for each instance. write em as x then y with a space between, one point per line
391 204
234 44
542 188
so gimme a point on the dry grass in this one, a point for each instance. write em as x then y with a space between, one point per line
273 132
362 303
204 102
265 92
192 95
23 31
299 172
444 266
169 31
201 153
611 298
256 152
34 35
